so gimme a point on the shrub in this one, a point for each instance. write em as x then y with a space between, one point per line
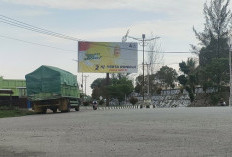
182 90
101 102
86 103
215 98
133 100
158 91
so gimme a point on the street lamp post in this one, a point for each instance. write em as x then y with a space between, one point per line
142 40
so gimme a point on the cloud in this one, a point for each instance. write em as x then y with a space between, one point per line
143 5
33 12
174 29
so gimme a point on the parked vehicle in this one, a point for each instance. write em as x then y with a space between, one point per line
52 88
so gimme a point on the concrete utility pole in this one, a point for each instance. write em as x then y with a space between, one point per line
230 98
82 85
85 83
148 80
143 36
107 94
143 41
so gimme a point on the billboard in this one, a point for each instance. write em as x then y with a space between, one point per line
107 57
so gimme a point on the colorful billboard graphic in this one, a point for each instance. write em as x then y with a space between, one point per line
107 57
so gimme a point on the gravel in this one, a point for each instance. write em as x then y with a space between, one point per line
173 132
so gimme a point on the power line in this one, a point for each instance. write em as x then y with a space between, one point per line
20 24
17 23
28 42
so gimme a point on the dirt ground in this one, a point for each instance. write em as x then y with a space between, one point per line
171 132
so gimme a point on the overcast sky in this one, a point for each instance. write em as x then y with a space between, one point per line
96 20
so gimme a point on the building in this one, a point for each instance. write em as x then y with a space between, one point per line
13 91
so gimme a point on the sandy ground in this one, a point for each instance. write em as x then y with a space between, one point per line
171 132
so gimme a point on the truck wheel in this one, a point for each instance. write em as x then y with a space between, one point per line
44 110
77 108
54 110
38 109
68 108
64 105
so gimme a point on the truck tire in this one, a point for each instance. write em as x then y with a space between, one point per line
44 110
65 106
68 108
54 110
39 110
77 108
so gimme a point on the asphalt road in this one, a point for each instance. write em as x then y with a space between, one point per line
165 132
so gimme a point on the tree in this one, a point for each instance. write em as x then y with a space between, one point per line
154 84
189 77
215 74
119 75
119 88
167 76
99 88
208 53
97 83
138 86
216 32
133 100
154 56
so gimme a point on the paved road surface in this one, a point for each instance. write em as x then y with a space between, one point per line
120 133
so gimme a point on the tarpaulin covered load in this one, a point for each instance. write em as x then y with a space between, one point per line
49 82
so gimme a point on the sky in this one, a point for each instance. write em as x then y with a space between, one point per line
96 20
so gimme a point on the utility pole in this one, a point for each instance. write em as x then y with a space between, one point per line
85 83
143 36
148 79
107 94
142 41
82 85
230 98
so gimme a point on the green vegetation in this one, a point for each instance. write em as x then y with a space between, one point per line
213 53
189 78
119 87
212 72
13 112
167 76
163 78
133 100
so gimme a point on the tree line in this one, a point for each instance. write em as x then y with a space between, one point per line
209 70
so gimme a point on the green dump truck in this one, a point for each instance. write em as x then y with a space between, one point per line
52 88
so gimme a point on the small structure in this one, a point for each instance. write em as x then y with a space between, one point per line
13 92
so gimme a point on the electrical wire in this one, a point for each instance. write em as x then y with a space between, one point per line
16 23
28 42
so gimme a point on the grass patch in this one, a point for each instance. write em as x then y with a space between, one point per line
13 112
